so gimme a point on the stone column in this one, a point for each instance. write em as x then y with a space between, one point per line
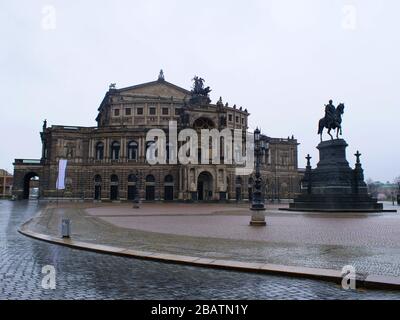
141 149
123 148
91 147
89 152
106 149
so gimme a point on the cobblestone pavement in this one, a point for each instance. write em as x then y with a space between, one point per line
89 275
371 243
229 222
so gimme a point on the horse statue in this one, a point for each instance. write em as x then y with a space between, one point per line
198 87
332 120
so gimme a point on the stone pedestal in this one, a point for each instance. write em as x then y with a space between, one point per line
333 185
257 218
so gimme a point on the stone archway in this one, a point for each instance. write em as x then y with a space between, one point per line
31 186
203 123
205 186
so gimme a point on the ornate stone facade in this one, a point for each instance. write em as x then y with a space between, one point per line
108 162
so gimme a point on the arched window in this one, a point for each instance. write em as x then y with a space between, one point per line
132 178
150 178
114 178
132 150
203 123
151 151
238 153
97 178
99 150
115 147
169 179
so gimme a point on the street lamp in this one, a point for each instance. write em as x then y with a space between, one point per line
258 203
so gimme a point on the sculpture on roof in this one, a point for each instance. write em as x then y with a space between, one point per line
200 94
161 76
198 87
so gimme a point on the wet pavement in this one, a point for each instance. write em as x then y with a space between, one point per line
370 243
88 275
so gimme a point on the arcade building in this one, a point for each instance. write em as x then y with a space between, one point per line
108 162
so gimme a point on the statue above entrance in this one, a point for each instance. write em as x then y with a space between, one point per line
200 94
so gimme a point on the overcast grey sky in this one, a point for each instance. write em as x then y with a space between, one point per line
282 60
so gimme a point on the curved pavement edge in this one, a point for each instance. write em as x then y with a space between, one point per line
371 281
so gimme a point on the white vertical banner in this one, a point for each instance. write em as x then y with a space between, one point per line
62 166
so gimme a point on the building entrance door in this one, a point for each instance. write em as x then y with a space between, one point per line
97 192
31 186
114 193
169 193
150 193
131 192
200 191
204 186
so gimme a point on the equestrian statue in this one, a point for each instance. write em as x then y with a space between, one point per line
332 119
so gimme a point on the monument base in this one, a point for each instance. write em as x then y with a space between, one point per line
258 223
335 202
333 186
258 218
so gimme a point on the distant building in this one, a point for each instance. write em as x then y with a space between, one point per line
108 162
6 182
383 191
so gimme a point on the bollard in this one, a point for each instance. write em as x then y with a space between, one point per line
65 228
136 204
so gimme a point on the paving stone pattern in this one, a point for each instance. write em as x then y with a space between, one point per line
88 275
